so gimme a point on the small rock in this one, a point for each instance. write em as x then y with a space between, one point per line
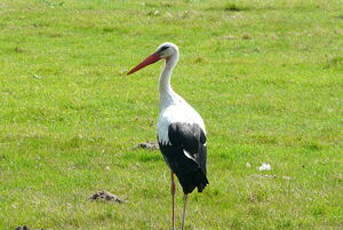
265 167
148 145
248 165
106 196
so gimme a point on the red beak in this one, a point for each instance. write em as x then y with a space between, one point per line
147 61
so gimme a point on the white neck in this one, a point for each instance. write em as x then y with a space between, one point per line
167 94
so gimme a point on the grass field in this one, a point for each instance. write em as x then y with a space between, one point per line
267 77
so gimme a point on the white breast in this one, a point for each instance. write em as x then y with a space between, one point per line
176 113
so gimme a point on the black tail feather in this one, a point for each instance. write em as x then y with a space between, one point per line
192 180
203 184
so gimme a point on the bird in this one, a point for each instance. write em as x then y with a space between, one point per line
181 132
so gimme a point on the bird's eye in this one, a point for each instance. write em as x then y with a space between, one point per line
164 48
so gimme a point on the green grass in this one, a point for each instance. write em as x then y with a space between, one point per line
267 77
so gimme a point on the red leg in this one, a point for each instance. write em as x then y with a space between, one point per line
184 210
173 191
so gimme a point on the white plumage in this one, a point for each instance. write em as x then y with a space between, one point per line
173 108
178 112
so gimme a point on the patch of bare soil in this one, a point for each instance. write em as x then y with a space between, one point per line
148 145
106 196
24 227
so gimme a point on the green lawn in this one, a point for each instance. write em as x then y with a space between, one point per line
267 77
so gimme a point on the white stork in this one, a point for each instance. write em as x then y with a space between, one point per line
181 131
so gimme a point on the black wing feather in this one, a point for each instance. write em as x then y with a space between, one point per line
191 172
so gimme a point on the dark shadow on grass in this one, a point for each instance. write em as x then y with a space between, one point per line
234 7
229 7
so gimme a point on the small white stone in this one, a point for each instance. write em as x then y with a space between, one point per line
265 167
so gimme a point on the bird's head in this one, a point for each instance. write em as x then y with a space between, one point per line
164 51
167 49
